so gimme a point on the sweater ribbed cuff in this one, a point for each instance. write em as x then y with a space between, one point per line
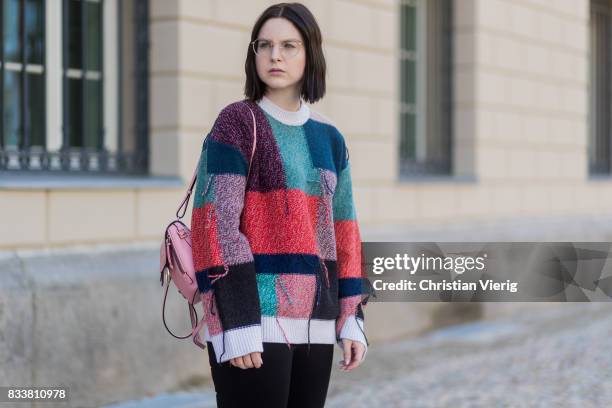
238 342
351 331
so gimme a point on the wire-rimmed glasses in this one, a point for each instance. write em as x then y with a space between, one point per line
288 48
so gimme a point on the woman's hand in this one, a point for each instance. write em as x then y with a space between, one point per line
353 354
247 361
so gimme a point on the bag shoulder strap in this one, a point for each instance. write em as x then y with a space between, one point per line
185 202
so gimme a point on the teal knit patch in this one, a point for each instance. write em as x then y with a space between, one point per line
297 163
266 285
344 208
204 184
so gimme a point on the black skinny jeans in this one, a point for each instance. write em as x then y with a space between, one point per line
288 378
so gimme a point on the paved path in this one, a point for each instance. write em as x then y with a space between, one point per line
550 358
559 356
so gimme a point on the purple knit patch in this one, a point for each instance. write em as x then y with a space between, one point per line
234 126
328 180
229 200
267 173
326 237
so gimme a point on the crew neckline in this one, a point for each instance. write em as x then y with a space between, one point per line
287 117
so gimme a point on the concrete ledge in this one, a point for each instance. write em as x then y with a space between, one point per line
596 228
91 320
89 182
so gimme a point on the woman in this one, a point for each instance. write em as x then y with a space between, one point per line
276 243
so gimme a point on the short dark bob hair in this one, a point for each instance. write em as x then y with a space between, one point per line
313 80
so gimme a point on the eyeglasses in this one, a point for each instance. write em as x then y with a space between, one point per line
288 48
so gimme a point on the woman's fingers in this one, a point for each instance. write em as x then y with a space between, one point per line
353 354
248 363
252 360
347 351
358 350
257 360
238 362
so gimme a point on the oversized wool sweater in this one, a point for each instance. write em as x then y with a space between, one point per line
277 256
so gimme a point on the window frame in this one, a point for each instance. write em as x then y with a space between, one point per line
599 149
429 31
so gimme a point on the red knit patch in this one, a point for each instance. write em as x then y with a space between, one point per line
206 249
273 228
348 248
295 294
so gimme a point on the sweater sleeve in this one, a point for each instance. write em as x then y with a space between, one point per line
224 264
352 282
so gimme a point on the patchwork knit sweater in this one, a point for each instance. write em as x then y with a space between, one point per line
277 256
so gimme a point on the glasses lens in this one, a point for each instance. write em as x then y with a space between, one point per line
287 48
261 46
290 48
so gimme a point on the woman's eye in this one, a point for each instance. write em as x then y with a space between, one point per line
289 45
264 45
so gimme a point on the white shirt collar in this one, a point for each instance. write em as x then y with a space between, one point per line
297 118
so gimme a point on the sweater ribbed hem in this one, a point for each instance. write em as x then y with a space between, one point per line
238 342
351 331
297 118
296 330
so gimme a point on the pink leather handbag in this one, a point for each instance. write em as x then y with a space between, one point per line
176 259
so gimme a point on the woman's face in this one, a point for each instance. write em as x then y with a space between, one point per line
279 30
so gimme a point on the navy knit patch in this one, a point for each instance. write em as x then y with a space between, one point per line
203 280
223 158
326 145
287 263
349 287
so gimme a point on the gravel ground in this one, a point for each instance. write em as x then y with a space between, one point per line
559 357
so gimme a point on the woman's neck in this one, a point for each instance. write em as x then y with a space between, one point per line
285 99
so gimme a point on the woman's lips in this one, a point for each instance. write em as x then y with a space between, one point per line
276 71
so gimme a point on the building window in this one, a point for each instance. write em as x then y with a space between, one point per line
600 146
74 86
426 87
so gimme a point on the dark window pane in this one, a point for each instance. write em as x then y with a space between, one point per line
12 108
408 88
92 118
36 100
409 28
12 45
94 35
435 110
601 99
75 33
34 31
408 140
85 115
408 83
76 112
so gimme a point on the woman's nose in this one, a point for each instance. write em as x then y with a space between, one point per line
276 52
